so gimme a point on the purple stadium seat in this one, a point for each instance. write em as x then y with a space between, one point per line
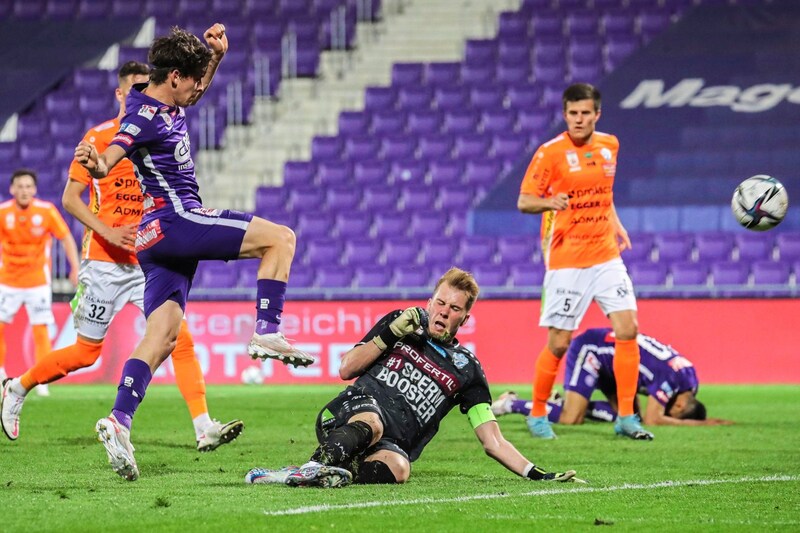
512 25
752 246
388 122
408 74
414 97
30 10
435 146
88 79
619 22
490 275
354 122
509 145
480 51
460 121
582 23
476 249
674 246
730 273
8 151
456 197
313 225
523 96
586 73
547 25
472 145
443 73
216 274
372 277
361 147
270 199
390 225
398 147
333 277
512 74
414 198
342 198
400 251
526 275
486 96
323 251
549 52
714 246
426 223
647 274
514 52
653 22
379 98
31 153
513 249
568 6
61 102
498 120
352 224
533 121
32 127
299 173
788 246
301 277
480 73
688 273
450 97
482 173
405 276
438 250
326 147
227 9
410 171
642 247
550 74
304 199
370 172
606 5
445 172
424 121
379 198
771 273
362 251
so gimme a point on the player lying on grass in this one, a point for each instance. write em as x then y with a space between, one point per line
668 378
411 371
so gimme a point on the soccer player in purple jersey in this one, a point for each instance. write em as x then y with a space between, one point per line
665 376
176 231
411 371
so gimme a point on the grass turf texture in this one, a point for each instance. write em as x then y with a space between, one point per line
55 477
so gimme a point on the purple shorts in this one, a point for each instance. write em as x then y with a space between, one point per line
169 248
586 372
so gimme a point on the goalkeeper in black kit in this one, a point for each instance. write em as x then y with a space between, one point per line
411 371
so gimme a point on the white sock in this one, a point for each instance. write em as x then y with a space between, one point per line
201 422
17 388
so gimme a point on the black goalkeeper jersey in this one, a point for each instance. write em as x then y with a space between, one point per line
417 382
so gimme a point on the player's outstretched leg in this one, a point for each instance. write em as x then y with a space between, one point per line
264 476
540 427
116 439
313 474
10 408
631 426
218 434
275 346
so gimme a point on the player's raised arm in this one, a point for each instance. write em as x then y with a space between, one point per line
98 165
217 41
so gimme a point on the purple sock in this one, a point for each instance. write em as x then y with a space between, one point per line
270 296
130 393
554 411
601 411
521 407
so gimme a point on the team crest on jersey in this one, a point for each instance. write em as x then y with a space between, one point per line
460 360
37 220
147 111
573 161
606 154
167 119
133 129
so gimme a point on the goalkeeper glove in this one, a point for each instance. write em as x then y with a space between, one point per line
407 322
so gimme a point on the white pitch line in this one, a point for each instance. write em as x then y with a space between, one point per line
541 492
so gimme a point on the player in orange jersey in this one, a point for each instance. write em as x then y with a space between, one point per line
27 225
570 181
110 277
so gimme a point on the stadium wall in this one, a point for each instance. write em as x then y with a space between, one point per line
729 341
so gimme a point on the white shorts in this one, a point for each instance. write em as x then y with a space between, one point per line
103 289
38 303
567 293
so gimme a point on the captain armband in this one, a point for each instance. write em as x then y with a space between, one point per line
480 414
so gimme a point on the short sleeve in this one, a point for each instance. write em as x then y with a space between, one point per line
476 392
58 226
538 175
137 129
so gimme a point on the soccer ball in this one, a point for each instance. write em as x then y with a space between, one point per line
252 375
760 202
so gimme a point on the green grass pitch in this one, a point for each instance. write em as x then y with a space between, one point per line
56 478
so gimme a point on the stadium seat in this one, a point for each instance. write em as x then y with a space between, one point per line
387 122
399 147
715 246
362 251
409 171
332 173
417 198
424 122
333 277
349 224
498 120
323 251
313 225
429 222
730 273
442 73
527 275
379 198
788 246
379 98
490 275
408 74
299 173
414 97
370 172
445 172
271 199
438 250
476 249
416 276
648 274
400 251
372 276
770 273
390 225
688 273
752 246
354 122
361 147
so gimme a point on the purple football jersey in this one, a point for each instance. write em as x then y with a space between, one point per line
155 138
663 372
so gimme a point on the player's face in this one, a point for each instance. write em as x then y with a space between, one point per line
186 87
447 311
23 190
581 118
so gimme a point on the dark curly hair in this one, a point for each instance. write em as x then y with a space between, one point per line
181 51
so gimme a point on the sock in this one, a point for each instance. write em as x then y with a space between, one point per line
130 393
343 443
601 411
188 374
626 373
270 296
201 422
41 342
2 344
543 378
555 412
59 363
373 472
521 407
17 388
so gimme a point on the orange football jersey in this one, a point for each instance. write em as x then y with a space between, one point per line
584 234
116 199
26 242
